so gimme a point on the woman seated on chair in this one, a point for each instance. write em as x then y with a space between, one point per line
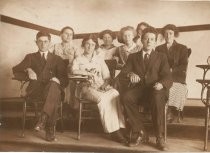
178 60
98 89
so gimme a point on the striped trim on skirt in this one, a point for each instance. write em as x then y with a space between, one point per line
178 95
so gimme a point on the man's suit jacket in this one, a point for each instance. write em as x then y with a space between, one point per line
178 60
157 71
54 67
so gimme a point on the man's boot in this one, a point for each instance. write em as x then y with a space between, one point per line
50 133
42 122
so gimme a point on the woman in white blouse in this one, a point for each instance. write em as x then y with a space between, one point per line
98 89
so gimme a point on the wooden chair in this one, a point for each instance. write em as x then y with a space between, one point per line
149 122
87 110
112 67
31 107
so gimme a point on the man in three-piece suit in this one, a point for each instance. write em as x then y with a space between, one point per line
150 78
47 76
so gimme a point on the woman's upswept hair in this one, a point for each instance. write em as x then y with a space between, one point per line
110 32
122 30
67 27
170 27
94 37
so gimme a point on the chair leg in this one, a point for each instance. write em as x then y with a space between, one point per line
206 128
165 123
23 119
79 120
130 135
61 114
36 111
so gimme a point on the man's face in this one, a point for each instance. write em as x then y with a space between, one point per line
149 41
43 43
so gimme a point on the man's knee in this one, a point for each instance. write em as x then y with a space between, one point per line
127 97
159 97
53 88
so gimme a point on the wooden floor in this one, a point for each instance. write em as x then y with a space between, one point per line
91 142
185 136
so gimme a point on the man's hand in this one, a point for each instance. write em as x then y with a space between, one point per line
158 86
134 78
31 74
55 80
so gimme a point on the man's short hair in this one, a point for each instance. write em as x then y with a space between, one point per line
149 30
43 33
140 24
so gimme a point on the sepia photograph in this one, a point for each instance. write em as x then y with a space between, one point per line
104 76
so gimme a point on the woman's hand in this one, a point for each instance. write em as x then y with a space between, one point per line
104 87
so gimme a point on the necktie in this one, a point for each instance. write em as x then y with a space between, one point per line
43 59
146 60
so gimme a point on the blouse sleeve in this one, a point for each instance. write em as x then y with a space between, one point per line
75 65
77 52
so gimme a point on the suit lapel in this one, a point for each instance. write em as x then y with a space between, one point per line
152 59
140 62
38 59
49 60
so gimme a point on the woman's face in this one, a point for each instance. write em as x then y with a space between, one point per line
67 35
89 46
107 38
169 36
128 36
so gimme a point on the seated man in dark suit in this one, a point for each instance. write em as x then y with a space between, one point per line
150 78
47 77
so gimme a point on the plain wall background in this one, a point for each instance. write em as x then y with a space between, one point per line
94 16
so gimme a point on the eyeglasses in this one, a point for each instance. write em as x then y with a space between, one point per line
42 42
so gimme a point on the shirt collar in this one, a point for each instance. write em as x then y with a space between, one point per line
144 52
45 54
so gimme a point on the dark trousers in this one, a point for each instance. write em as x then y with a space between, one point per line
49 93
145 96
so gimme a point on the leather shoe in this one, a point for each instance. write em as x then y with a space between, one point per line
161 144
50 134
141 138
42 122
118 137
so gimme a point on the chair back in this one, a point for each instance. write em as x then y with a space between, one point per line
189 52
112 67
